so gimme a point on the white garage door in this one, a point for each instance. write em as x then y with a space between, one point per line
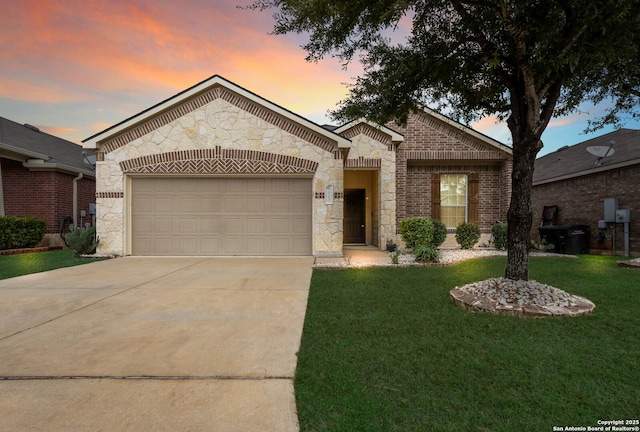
221 216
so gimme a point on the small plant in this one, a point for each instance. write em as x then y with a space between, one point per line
499 234
426 253
467 234
542 245
395 256
83 241
439 232
416 231
391 245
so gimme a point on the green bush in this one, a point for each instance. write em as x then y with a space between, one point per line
21 232
83 241
467 234
416 231
439 232
499 233
424 253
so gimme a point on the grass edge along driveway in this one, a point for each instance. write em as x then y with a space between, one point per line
385 349
35 262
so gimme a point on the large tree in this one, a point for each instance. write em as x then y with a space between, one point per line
523 61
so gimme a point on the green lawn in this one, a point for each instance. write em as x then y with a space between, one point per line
385 349
22 264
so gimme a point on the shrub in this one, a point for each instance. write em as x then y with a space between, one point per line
416 231
499 233
467 234
424 253
439 232
21 232
83 241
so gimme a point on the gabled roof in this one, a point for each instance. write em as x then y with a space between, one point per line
395 136
94 141
39 150
468 130
575 161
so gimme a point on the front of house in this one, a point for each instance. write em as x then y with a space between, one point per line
219 171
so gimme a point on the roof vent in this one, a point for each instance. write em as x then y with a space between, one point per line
32 127
563 148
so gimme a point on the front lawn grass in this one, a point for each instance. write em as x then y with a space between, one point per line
22 264
384 349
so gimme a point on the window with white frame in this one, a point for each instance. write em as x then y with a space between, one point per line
453 199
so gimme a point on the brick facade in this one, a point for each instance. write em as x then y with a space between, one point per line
432 146
581 202
43 194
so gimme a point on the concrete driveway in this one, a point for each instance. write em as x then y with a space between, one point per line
162 344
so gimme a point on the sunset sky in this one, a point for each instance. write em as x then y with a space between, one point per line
74 68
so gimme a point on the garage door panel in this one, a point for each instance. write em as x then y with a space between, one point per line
221 216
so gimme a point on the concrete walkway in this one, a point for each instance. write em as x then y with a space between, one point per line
162 344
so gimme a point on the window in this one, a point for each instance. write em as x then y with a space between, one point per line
453 199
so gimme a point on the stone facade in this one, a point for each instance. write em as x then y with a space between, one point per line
225 135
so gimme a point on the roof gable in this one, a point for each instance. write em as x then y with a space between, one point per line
203 93
575 161
465 134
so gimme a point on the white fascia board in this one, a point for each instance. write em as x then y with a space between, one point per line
395 136
45 166
92 142
468 130
28 154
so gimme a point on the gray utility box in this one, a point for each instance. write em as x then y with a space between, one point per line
623 215
610 207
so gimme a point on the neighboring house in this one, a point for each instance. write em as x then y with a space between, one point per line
218 170
45 177
579 178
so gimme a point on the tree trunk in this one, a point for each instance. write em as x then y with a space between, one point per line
520 214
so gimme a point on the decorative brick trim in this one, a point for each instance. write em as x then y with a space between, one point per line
452 132
454 155
362 162
233 98
218 161
99 156
369 131
109 194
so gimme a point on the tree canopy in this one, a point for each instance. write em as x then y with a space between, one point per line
523 61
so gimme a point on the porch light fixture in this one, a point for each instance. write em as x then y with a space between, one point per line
328 194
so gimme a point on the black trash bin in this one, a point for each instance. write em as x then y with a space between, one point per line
567 239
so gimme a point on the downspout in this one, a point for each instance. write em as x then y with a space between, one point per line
1 194
75 199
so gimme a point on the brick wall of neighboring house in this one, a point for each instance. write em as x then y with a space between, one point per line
43 194
581 201
432 147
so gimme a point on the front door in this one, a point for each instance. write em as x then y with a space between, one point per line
354 216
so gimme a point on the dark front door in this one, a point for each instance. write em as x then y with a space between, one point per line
354 211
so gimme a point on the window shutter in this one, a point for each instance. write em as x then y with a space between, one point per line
435 196
472 198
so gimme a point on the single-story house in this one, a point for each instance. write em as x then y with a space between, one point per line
579 179
218 170
45 177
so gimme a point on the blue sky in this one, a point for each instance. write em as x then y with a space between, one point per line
74 68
